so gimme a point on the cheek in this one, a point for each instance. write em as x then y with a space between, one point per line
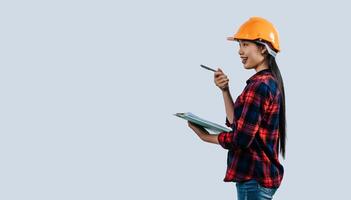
251 56
255 57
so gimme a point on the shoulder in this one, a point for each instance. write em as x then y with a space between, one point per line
266 82
265 86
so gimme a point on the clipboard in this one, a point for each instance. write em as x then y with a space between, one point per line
202 122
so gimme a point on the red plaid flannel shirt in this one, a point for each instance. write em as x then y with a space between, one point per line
253 144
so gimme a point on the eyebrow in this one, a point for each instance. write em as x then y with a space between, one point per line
244 41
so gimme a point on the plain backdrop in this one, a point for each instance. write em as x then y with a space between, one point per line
89 88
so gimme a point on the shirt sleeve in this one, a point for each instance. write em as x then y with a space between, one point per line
249 121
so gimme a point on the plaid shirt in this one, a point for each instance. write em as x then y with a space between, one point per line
253 143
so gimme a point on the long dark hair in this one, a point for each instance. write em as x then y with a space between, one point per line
282 117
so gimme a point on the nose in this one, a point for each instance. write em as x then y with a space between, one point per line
240 51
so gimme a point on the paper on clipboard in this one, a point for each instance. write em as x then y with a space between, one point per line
202 122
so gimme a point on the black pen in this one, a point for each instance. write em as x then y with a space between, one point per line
208 68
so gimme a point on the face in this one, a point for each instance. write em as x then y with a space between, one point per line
251 55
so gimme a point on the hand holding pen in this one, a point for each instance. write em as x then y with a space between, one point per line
221 80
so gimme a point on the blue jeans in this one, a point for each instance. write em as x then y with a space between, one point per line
252 190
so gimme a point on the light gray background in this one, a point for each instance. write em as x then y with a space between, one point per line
88 89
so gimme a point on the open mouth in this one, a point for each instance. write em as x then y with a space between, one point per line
243 60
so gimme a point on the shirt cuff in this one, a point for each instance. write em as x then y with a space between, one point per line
225 140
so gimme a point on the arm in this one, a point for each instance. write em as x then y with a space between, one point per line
203 133
222 81
229 105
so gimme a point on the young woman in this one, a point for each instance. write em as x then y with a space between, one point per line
257 117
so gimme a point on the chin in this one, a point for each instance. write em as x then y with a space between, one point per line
247 67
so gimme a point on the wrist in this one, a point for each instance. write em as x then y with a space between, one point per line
226 90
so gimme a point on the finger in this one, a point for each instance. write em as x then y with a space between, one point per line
224 76
224 82
217 73
219 70
190 125
221 78
219 83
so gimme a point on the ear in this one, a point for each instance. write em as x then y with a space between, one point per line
263 50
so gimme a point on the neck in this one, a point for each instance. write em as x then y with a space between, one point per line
261 66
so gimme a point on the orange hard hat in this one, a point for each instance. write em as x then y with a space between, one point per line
257 28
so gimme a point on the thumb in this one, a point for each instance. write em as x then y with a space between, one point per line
219 69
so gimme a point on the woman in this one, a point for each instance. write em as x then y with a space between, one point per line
257 117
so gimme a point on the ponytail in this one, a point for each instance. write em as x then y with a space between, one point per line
282 121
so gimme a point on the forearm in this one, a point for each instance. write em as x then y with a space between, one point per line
204 134
229 105
210 138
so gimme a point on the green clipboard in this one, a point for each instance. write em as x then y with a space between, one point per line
202 122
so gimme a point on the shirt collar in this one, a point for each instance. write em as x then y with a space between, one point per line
257 75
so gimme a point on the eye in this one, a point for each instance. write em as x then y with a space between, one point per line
244 44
